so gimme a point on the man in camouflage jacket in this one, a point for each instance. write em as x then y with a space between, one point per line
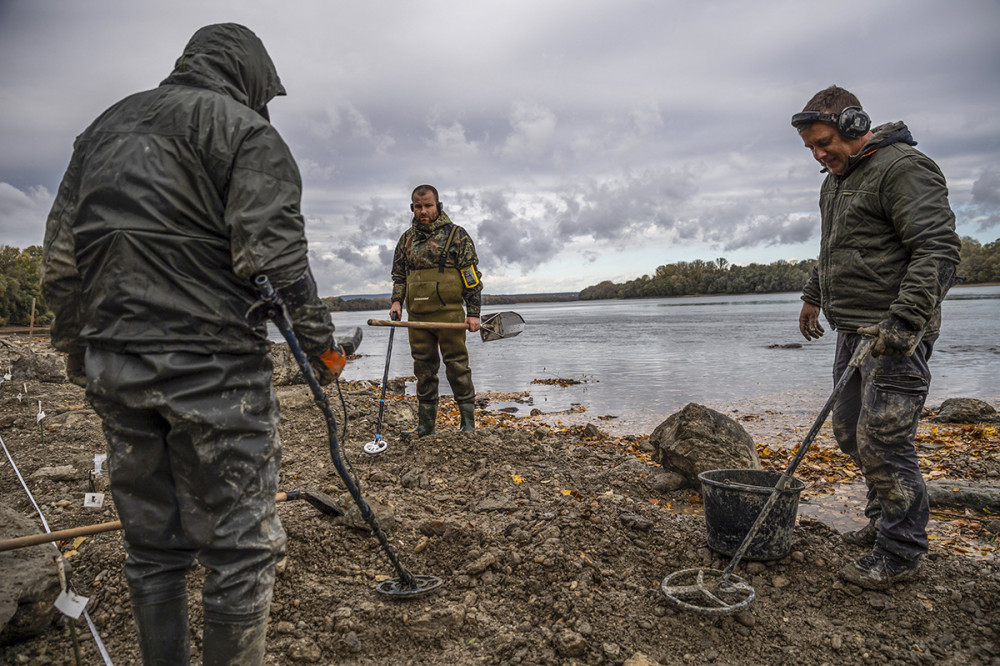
434 272
888 253
174 200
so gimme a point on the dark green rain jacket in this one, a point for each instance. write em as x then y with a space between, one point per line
888 242
174 200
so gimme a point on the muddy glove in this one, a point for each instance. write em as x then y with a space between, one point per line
329 364
76 373
895 337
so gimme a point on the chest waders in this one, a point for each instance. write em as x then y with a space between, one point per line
435 295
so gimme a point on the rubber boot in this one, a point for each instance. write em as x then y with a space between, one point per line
233 643
426 417
164 639
467 410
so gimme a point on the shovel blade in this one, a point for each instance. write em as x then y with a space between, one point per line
501 325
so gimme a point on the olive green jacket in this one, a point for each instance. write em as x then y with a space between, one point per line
421 248
888 243
174 200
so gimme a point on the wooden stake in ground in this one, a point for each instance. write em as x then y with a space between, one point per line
31 326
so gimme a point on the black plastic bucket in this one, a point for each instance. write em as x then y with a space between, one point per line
733 499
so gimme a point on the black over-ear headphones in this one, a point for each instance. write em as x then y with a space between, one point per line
852 122
440 207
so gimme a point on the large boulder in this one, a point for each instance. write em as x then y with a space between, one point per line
697 439
29 583
41 366
966 410
286 369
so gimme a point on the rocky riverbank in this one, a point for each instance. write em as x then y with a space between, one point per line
551 543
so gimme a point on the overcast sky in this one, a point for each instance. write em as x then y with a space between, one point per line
576 140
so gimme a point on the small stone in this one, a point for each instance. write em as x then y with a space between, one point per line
798 556
754 568
746 618
285 627
351 640
780 582
836 642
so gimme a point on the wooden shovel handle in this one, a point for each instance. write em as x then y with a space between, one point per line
418 324
73 532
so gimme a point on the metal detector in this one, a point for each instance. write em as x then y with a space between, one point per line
271 306
492 327
378 445
714 592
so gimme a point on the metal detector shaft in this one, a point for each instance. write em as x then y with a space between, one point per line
385 380
275 309
861 353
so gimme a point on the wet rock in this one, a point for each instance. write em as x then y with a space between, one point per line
58 473
286 368
966 410
352 641
384 515
591 431
29 584
636 522
294 397
975 495
39 366
72 418
415 478
665 481
785 345
697 439
305 651
571 644
481 564
496 502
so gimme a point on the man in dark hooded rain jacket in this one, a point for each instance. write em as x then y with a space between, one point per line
888 253
174 200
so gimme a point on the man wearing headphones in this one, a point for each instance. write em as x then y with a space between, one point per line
434 271
888 252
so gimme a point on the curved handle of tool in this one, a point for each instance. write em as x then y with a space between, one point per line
858 358
87 530
275 309
418 324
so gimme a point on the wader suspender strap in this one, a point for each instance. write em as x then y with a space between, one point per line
444 252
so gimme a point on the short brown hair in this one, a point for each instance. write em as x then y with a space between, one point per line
424 189
832 100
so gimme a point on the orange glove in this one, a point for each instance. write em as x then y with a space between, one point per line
328 365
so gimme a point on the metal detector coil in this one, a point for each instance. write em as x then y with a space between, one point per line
376 446
395 587
707 591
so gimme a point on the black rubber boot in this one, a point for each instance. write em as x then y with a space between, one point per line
426 417
233 643
467 410
164 639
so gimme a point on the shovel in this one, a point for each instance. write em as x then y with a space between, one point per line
491 327
321 501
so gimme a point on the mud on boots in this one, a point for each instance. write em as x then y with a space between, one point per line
426 417
467 411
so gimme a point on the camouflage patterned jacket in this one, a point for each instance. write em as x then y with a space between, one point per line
420 248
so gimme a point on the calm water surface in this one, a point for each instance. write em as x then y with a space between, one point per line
641 360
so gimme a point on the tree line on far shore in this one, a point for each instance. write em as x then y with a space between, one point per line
20 282
979 264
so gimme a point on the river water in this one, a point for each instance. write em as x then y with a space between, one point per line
643 359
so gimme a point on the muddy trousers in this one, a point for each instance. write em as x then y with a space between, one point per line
424 345
875 422
193 456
